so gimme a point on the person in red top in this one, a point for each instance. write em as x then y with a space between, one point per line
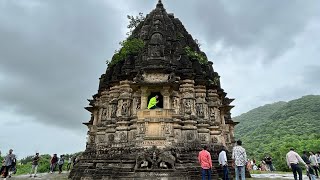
205 162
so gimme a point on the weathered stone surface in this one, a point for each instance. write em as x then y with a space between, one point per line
128 141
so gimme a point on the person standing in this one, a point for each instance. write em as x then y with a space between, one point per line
204 158
310 171
35 163
69 163
8 163
223 161
53 163
60 163
293 160
314 162
305 157
318 159
239 158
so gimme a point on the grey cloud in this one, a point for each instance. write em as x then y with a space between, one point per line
271 26
53 52
268 26
311 76
51 56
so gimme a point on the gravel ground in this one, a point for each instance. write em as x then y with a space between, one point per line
64 176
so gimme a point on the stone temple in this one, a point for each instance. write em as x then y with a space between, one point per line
126 140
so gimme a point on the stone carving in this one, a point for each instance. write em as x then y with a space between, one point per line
167 128
111 138
104 114
113 110
212 114
202 137
155 46
187 106
155 51
139 77
190 136
142 128
166 160
154 159
173 78
91 139
123 137
200 110
214 140
138 103
176 103
125 108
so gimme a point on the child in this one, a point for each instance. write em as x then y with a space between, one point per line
310 171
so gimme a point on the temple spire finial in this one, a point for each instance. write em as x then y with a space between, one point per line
159 5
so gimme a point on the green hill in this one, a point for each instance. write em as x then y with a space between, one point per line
274 128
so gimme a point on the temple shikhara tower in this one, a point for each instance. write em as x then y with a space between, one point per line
126 140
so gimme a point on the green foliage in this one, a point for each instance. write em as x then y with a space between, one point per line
24 165
129 47
196 55
134 22
274 128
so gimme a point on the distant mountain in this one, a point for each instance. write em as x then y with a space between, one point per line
274 128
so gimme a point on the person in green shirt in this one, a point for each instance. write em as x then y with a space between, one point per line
153 102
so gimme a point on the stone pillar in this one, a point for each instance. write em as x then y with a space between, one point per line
136 104
166 97
144 97
189 130
124 111
112 109
103 107
214 105
202 114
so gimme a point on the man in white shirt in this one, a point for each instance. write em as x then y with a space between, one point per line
223 161
314 162
239 162
293 160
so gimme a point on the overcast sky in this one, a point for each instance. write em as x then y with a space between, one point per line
53 52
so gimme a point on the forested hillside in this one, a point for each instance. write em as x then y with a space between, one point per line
274 128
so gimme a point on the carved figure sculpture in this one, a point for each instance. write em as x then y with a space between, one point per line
125 108
167 158
187 106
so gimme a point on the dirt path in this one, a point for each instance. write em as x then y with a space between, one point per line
54 176
64 176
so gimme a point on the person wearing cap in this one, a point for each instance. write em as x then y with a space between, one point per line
204 158
293 160
35 163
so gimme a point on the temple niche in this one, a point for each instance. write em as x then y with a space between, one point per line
126 140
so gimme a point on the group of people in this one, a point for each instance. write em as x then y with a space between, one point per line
8 165
265 164
310 160
239 162
54 162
